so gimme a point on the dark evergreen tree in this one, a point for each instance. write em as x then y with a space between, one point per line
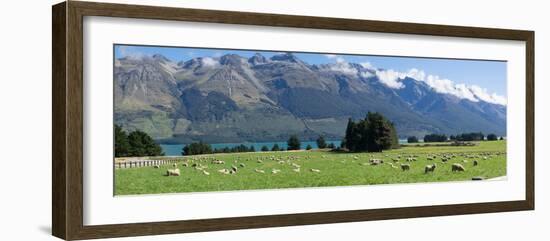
142 144
198 148
492 137
275 147
293 143
374 133
308 147
321 143
435 138
379 133
412 139
122 146
265 148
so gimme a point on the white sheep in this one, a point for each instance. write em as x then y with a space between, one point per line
429 168
315 170
259 171
405 167
457 168
173 172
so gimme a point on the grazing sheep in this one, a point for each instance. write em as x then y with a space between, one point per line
259 171
205 172
315 170
457 168
175 165
475 162
242 165
444 159
275 171
156 166
259 161
375 162
173 172
429 168
296 169
405 167
218 162
185 164
223 171
465 161
393 166
234 168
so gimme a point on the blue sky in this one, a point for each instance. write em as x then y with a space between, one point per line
490 75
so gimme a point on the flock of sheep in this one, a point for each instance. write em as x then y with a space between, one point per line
401 161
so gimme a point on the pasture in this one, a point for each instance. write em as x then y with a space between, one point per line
314 168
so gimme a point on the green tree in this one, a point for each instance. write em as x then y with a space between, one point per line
374 133
275 147
308 147
293 143
265 148
379 133
198 148
141 144
492 137
122 146
321 143
352 135
412 139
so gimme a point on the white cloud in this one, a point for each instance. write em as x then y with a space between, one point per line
393 78
366 74
367 65
482 94
341 65
390 78
209 62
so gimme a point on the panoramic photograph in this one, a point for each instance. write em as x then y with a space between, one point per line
192 119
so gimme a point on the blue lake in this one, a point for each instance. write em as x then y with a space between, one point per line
175 149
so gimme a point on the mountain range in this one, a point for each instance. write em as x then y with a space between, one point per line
236 99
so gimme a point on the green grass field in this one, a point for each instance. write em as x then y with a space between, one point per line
336 169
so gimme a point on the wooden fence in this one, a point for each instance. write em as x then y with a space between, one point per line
143 163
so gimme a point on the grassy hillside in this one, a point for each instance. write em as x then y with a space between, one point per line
336 169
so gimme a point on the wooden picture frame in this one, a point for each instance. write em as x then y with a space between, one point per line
67 139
